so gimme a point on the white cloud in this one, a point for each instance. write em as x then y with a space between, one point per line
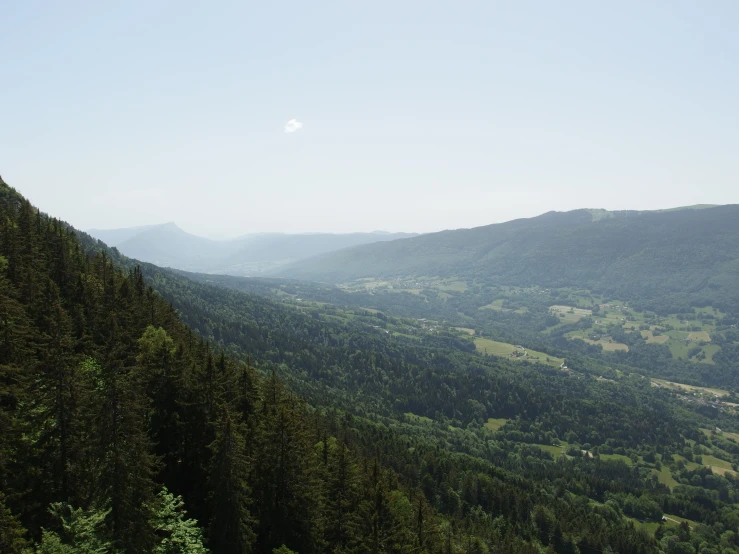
293 125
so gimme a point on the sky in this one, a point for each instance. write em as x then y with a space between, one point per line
403 115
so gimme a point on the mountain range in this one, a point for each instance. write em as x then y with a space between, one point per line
167 245
689 254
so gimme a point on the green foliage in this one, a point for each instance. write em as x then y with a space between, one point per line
11 533
230 525
155 347
283 550
180 535
82 532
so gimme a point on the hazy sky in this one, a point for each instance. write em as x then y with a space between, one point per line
403 115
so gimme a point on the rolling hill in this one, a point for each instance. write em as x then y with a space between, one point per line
168 245
677 256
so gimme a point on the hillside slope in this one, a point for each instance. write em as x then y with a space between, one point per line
114 416
689 255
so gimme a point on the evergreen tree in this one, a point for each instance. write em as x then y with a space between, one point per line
342 497
178 534
11 533
285 486
123 452
81 532
161 373
230 530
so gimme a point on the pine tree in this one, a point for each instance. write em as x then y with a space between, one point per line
342 490
123 451
11 533
160 374
285 485
57 395
230 530
425 527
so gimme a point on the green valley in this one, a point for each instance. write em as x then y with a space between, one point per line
480 405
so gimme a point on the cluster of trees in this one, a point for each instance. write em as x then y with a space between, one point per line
115 417
339 363
531 327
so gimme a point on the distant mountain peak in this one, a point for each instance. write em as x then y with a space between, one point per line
171 226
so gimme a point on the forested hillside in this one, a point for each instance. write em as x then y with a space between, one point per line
435 394
117 417
122 430
663 259
525 316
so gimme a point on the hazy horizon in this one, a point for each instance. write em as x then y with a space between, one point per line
216 236
331 117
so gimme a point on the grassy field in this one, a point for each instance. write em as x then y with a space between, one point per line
689 388
710 350
608 345
456 286
680 335
560 450
679 349
466 330
411 291
717 465
370 283
665 477
606 342
652 526
649 526
571 314
495 424
621 457
689 465
677 520
331 317
726 434
651 339
709 310
504 350
555 451
411 284
497 305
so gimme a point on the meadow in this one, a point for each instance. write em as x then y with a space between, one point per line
515 352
